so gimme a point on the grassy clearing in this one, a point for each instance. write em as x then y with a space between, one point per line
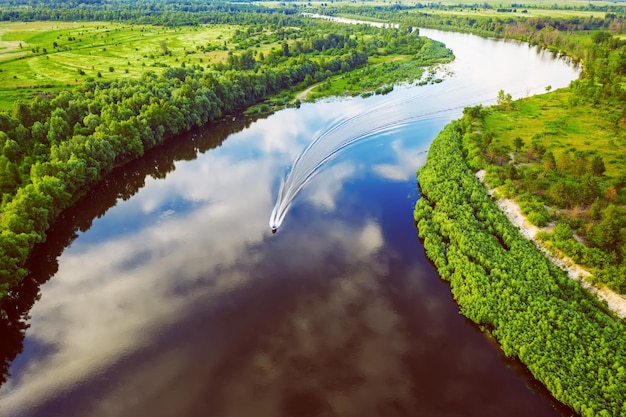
40 57
560 128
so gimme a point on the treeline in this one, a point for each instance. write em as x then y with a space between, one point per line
123 183
554 33
193 12
501 282
54 150
430 16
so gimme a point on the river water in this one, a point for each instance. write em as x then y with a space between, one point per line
165 293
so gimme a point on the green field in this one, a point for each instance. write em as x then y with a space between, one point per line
40 57
561 128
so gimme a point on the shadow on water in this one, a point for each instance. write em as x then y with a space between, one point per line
122 183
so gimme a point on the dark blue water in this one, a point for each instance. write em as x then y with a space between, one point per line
164 292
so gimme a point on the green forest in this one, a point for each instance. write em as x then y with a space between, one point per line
560 155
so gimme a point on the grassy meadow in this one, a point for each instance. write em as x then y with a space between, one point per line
561 128
41 57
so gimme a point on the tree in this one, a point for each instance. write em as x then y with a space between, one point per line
610 193
549 163
23 113
504 100
562 231
588 190
486 140
164 48
59 129
606 234
518 143
512 172
597 166
9 176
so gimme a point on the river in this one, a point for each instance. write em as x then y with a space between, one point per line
165 293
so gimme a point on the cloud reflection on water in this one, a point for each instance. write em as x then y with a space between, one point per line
110 297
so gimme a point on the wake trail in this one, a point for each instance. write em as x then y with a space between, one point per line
340 135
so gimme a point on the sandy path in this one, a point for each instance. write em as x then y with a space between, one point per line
302 95
615 302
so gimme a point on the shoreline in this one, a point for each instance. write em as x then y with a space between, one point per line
565 336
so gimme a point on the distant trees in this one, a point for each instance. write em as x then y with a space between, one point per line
164 48
504 100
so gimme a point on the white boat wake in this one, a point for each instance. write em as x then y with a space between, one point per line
337 137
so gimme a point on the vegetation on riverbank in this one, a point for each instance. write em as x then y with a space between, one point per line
565 337
57 146
540 152
561 155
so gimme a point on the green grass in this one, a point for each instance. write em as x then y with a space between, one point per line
381 72
87 49
559 127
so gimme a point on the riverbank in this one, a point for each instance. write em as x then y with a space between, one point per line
615 302
568 340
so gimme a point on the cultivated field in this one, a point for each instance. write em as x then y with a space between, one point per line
39 57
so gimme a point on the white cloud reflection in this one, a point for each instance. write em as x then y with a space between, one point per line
324 193
109 298
408 160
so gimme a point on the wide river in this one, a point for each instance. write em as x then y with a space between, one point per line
165 293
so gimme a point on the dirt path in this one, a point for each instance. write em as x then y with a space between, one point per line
302 95
616 302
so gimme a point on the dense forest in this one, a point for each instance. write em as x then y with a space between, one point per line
565 337
169 13
56 148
